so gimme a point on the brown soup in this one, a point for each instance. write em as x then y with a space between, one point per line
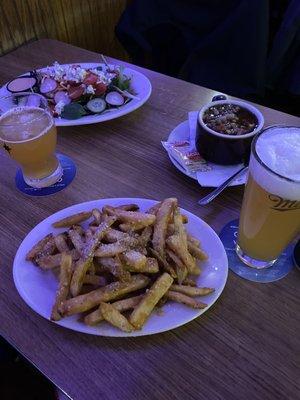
230 119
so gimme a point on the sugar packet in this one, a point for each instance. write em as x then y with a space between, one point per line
186 155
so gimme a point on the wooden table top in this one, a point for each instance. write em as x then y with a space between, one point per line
246 346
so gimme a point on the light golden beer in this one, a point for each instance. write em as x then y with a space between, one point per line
270 215
28 134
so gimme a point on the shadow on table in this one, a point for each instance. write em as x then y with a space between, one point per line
19 380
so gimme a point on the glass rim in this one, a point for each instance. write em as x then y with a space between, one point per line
258 159
11 95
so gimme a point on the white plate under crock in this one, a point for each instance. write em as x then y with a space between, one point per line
182 132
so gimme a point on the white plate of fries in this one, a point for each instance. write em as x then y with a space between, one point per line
121 267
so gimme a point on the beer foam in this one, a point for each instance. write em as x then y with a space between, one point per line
21 124
279 149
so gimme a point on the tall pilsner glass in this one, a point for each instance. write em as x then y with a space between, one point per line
270 216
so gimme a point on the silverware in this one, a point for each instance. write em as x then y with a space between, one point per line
125 93
207 199
104 60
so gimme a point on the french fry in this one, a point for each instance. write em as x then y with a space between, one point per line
192 291
54 261
92 268
134 259
60 243
79 229
47 249
133 217
64 284
85 261
150 267
115 318
153 210
97 217
163 217
163 263
189 282
196 252
122 305
76 239
38 247
175 243
111 249
132 226
125 207
184 299
145 236
115 267
107 293
94 280
184 219
171 227
113 235
193 240
181 269
128 207
141 313
88 234
72 219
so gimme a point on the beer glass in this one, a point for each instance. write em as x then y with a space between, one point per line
270 215
28 134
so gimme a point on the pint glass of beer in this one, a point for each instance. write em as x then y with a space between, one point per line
28 134
270 215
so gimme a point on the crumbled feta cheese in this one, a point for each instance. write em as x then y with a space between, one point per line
69 73
90 90
57 71
75 73
104 76
59 107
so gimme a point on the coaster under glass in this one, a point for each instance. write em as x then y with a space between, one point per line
69 172
281 267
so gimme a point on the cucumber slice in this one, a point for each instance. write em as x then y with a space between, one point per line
96 105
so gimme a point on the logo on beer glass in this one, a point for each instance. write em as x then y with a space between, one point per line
281 204
7 148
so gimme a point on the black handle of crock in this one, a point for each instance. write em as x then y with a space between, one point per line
219 97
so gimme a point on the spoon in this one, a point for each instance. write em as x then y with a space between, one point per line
207 199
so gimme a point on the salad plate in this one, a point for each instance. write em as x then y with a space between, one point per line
85 93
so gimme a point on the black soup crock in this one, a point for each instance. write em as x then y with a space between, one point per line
221 148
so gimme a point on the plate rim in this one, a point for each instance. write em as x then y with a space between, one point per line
105 117
62 322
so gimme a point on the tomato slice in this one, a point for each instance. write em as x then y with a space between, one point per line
76 91
100 88
90 79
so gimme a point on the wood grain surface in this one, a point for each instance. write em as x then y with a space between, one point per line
245 347
89 24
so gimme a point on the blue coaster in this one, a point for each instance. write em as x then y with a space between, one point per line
69 172
281 267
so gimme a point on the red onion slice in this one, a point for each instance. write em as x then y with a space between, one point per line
33 101
114 99
48 85
63 97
